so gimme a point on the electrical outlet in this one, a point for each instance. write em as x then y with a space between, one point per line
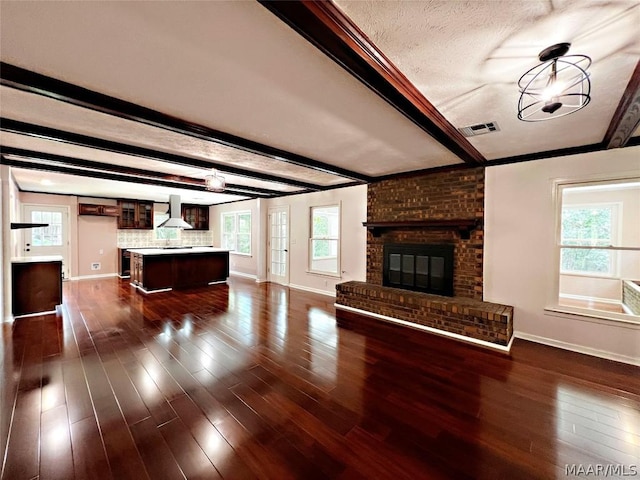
101 251
95 266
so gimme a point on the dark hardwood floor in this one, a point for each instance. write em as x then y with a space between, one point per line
257 381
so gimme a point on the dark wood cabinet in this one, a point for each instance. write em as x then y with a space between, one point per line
124 263
135 214
36 286
196 215
153 272
99 210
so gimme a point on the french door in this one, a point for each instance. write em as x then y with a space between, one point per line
278 245
51 240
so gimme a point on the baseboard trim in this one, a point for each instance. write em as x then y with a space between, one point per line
594 352
89 277
148 292
243 275
474 341
313 290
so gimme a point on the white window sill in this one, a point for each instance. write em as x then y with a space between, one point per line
594 316
324 274
240 254
606 276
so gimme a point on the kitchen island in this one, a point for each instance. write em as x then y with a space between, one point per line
163 269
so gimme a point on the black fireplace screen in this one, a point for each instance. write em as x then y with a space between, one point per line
425 268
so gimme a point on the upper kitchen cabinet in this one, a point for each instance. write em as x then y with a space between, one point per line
100 210
196 215
135 214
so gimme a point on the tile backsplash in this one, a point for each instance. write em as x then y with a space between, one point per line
147 238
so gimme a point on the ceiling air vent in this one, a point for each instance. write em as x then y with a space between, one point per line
479 129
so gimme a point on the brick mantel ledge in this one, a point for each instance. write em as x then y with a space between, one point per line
475 319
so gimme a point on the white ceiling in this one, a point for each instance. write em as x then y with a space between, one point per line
235 67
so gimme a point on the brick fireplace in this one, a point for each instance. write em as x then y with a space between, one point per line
451 195
438 210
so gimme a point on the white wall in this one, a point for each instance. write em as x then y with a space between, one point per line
520 255
353 236
243 264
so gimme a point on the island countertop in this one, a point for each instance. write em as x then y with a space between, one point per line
37 259
176 250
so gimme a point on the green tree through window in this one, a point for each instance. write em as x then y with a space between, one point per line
587 226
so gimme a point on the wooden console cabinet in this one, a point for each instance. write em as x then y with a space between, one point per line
36 284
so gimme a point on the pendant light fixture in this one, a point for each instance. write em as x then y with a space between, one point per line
214 182
558 86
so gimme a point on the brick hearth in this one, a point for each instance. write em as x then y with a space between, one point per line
489 322
457 194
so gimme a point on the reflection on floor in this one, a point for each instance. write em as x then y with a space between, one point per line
257 381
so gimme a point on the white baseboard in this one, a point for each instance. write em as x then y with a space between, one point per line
89 277
313 290
243 275
442 333
578 348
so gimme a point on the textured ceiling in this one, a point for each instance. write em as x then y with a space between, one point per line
237 68
466 57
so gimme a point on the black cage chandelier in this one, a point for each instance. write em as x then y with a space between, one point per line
214 182
556 87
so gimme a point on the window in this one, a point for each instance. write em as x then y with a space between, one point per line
324 241
598 250
592 226
50 236
163 233
236 232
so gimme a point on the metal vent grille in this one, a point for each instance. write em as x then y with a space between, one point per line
479 129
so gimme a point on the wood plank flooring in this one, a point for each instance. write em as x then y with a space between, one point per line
246 380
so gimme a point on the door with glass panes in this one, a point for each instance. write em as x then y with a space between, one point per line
50 240
278 246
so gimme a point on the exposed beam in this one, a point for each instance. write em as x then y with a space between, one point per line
134 173
103 175
626 118
324 25
47 133
32 82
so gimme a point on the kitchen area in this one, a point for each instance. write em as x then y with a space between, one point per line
154 246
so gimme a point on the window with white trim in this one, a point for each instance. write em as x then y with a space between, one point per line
324 240
236 232
588 226
598 247
163 233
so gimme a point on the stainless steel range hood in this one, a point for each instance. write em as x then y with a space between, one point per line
175 215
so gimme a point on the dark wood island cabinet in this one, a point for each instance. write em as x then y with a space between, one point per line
36 284
161 269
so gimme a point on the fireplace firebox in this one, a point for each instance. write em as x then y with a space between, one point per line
424 268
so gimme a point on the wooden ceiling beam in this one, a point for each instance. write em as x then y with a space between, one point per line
32 82
47 133
135 173
626 119
324 25
34 164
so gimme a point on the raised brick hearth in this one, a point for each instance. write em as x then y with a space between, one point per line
489 322
407 202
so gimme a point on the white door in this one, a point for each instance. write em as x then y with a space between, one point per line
279 245
51 240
